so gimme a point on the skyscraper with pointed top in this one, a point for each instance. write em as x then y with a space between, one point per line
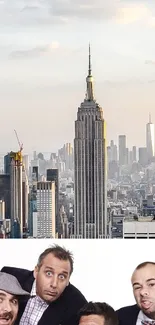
90 167
150 138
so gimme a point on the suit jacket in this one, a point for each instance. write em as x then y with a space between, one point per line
128 315
63 311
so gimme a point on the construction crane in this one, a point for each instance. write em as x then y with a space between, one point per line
20 144
17 156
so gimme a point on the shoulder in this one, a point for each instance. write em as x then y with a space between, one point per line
74 295
17 272
127 311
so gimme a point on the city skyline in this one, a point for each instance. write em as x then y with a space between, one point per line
44 64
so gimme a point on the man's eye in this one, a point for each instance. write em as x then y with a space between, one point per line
15 301
49 273
61 276
151 284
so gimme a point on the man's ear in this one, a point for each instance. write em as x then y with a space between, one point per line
35 272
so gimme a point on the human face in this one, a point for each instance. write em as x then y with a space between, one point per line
143 282
52 277
8 308
92 320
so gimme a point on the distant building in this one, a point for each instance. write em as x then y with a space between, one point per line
143 156
53 176
150 139
122 150
7 161
44 217
5 193
16 194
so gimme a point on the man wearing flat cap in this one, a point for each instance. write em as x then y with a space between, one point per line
10 295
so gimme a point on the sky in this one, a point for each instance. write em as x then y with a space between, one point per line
102 268
44 64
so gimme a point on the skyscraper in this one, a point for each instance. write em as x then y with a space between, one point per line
150 138
53 176
16 194
44 218
90 167
122 149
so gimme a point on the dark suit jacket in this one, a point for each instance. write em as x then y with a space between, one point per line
128 315
63 311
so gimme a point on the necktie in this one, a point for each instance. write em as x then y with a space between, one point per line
148 322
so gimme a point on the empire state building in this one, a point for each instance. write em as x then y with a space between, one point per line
90 167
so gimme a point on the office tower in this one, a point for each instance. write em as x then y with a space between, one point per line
122 150
113 151
35 173
150 138
143 156
53 176
130 154
26 164
5 193
44 218
90 167
16 194
134 153
127 156
66 155
7 161
25 192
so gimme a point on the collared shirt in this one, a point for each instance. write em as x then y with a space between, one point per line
142 317
34 309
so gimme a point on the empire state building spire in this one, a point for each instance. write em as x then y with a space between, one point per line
89 81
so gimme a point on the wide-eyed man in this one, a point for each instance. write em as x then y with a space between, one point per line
53 299
143 284
97 313
11 293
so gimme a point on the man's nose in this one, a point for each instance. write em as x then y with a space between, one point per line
54 281
7 306
144 292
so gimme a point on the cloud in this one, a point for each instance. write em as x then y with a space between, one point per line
30 12
150 62
36 51
132 13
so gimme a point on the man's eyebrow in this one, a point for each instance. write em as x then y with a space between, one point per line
148 280
51 268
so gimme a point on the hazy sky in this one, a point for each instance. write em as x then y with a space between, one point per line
44 63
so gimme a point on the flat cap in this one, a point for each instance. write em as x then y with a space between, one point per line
10 284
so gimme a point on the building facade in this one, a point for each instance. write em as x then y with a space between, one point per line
90 167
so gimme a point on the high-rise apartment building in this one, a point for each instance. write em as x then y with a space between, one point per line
44 217
150 138
90 167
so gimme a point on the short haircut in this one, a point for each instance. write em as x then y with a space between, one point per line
59 252
101 309
141 265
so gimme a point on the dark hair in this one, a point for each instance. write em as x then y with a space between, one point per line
141 265
101 309
60 252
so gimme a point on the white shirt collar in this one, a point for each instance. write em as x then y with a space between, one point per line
143 317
